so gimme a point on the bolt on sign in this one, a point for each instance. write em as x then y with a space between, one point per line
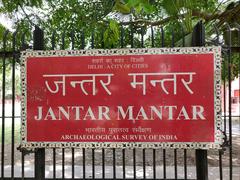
122 98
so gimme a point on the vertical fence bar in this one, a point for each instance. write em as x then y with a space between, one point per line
13 102
38 44
154 164
83 149
63 150
93 164
185 163
164 150
164 164
144 164
103 150
72 40
73 152
102 40
175 150
103 163
154 150
22 164
173 39
63 40
93 150
54 163
92 40
122 37
134 163
134 150
144 150
131 35
84 163
123 163
54 149
185 150
152 36
82 40
142 37
198 39
53 40
3 102
162 37
114 163
220 165
229 36
175 163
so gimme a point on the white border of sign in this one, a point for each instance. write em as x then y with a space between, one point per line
108 52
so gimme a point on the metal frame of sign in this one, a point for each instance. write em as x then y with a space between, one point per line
106 52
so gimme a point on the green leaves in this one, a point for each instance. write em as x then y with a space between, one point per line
137 6
148 8
121 7
13 5
170 7
111 34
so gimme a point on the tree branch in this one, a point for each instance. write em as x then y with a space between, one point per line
223 17
167 19
32 23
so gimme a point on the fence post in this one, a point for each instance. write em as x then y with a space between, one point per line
198 39
38 44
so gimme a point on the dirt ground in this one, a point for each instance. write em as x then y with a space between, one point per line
213 156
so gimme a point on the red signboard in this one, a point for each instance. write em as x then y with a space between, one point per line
236 93
122 98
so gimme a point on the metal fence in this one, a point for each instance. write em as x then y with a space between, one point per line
17 163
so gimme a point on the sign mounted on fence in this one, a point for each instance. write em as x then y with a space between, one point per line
148 98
